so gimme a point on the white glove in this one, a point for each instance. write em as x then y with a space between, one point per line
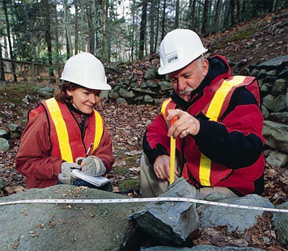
66 172
92 165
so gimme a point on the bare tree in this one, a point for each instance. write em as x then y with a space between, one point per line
205 18
9 39
143 29
232 11
176 23
67 28
191 23
217 16
163 20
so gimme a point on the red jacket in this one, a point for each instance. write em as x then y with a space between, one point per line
40 155
227 151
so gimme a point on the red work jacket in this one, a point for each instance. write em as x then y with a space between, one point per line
198 166
52 136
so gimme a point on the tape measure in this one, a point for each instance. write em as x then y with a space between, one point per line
139 200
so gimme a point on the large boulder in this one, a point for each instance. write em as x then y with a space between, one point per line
63 226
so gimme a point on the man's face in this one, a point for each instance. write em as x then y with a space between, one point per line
187 79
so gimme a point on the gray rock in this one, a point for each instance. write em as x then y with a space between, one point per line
265 112
4 145
280 103
126 94
280 117
275 104
279 87
64 226
262 74
3 183
276 135
151 73
113 95
4 132
12 127
235 219
46 92
170 222
165 85
284 73
120 100
268 102
276 159
201 248
271 73
275 62
148 99
281 224
149 84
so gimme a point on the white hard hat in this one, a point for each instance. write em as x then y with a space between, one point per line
86 70
179 48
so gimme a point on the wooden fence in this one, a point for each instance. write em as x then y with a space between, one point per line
26 72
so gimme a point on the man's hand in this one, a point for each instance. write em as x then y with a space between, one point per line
92 165
162 167
185 125
66 172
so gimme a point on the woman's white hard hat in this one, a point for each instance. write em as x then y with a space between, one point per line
86 70
179 48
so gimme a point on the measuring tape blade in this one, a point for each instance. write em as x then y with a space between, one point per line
139 200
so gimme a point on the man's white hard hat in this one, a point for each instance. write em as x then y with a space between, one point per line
86 70
179 48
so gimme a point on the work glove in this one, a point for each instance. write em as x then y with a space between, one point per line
66 172
92 165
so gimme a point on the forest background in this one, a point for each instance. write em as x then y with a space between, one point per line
48 32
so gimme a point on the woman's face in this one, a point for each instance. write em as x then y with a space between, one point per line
84 99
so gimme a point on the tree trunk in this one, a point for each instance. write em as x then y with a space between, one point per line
67 29
232 11
57 42
76 43
163 20
216 17
9 40
176 23
143 25
152 28
191 23
48 37
2 75
205 18
105 39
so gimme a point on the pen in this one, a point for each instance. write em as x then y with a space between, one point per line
89 149
87 153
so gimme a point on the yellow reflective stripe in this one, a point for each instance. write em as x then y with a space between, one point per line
213 113
99 130
204 170
163 108
220 95
61 129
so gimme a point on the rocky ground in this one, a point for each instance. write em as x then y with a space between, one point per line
248 43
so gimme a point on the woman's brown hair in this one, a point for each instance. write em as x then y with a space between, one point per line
61 93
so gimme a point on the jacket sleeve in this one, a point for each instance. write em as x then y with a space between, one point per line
237 140
155 141
33 159
104 150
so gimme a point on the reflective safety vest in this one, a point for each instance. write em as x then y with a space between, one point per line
205 171
65 134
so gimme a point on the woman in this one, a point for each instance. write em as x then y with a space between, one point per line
65 132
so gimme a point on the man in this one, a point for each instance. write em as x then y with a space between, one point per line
218 131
